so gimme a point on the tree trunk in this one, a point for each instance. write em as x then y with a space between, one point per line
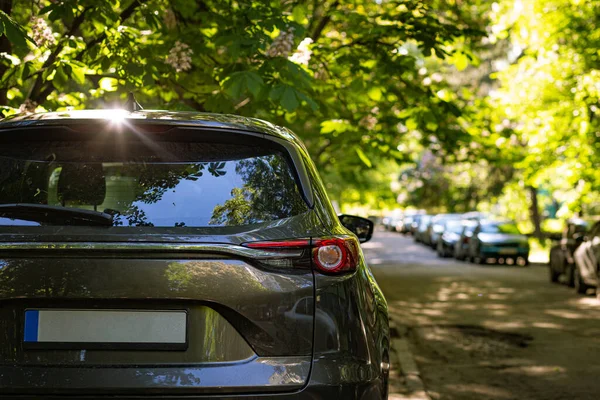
5 47
535 212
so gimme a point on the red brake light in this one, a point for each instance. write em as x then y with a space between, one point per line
280 244
336 255
331 255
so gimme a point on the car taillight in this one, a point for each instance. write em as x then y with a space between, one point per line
330 255
279 244
336 255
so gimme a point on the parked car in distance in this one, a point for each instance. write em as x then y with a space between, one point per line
450 236
561 261
176 254
422 231
389 221
406 223
500 240
414 226
436 228
475 216
587 260
461 248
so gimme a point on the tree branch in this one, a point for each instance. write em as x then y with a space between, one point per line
324 21
126 13
5 47
36 94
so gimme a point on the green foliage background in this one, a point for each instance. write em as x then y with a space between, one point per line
442 104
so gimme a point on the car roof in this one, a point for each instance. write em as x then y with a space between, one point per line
158 117
439 217
496 222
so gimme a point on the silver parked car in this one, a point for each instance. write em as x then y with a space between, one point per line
587 260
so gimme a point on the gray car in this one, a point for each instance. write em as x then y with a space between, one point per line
179 255
587 260
436 227
500 240
461 247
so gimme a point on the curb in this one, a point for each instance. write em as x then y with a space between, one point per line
404 362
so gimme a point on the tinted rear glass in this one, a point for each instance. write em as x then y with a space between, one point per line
454 226
501 228
167 184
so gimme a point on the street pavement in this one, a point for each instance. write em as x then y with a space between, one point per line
487 332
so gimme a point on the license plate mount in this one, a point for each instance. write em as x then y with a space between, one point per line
105 329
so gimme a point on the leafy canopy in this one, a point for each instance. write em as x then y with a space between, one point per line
350 77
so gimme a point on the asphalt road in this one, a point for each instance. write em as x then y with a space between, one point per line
488 332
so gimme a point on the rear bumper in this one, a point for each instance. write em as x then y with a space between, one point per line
330 392
330 379
505 252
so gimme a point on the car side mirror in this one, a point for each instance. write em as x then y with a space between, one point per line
361 227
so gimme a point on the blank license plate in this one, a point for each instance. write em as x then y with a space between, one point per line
105 329
508 251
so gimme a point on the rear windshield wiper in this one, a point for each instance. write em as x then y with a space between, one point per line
54 215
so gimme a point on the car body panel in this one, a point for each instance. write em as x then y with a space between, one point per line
561 256
587 257
497 245
461 247
421 234
251 331
80 118
436 227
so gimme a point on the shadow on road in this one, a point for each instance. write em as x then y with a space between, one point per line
490 332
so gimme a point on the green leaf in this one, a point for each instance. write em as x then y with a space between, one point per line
108 84
287 96
335 125
405 113
254 83
240 82
411 124
27 70
148 80
432 126
299 14
375 93
49 8
461 61
61 77
234 86
311 103
78 75
14 32
289 101
363 157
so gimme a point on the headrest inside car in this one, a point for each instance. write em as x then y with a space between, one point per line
82 184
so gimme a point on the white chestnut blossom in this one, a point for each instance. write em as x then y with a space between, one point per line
170 19
41 32
282 45
370 120
180 57
303 53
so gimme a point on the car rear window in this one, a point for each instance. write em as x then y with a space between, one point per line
510 229
149 184
454 226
